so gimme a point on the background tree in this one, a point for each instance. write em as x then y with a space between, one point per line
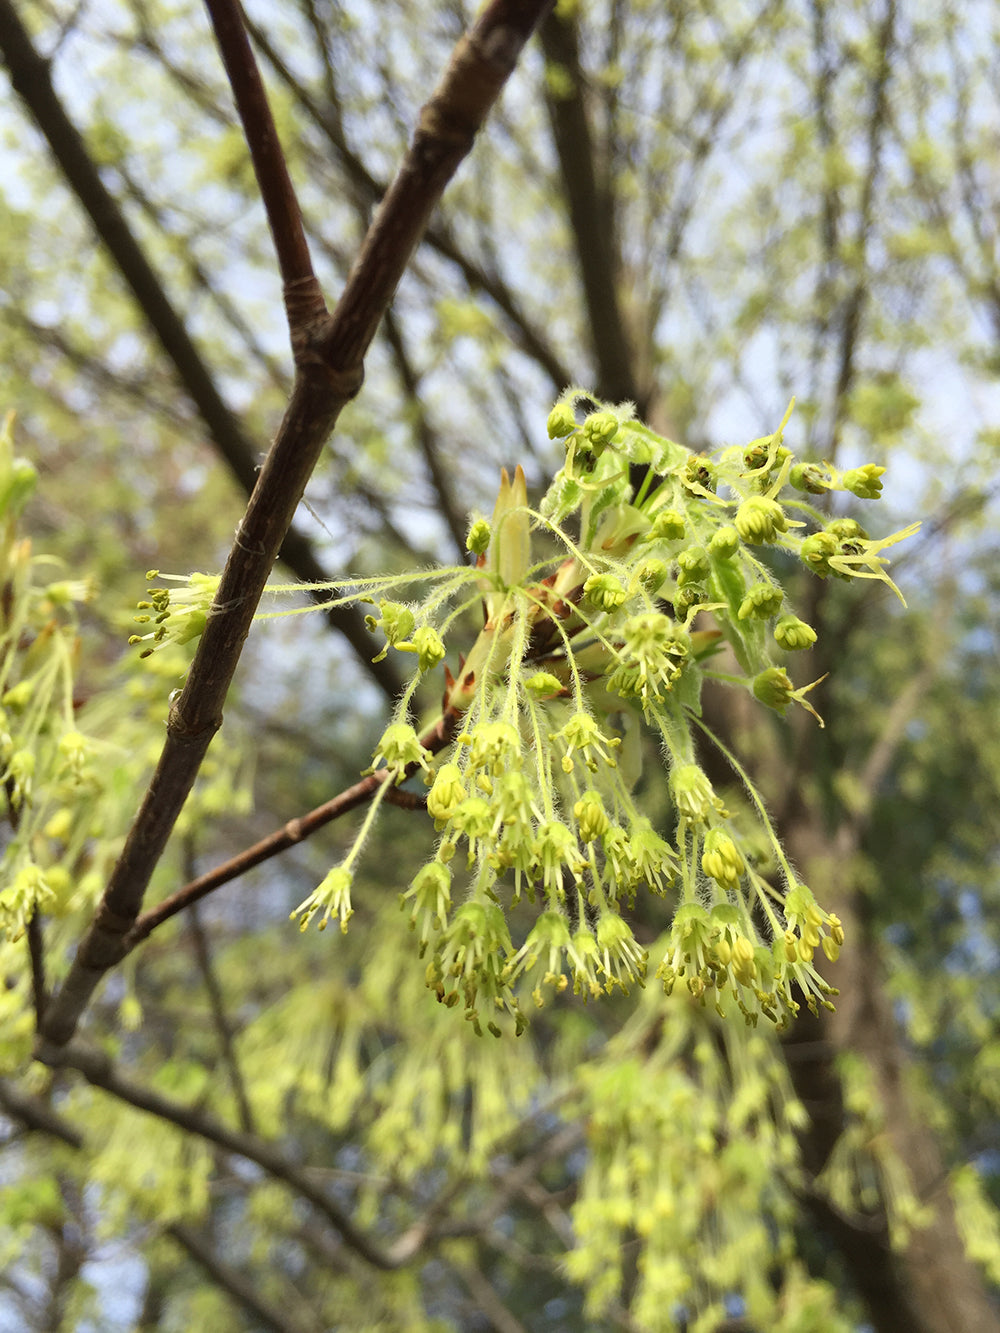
704 210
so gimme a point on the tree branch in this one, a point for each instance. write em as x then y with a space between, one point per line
295 831
524 332
31 79
303 297
330 369
35 1115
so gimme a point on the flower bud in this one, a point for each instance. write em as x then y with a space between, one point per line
725 542
809 478
864 482
561 422
693 563
599 429
427 644
668 525
446 793
651 574
604 591
761 602
847 530
774 688
591 817
793 634
543 685
759 520
721 859
816 550
479 536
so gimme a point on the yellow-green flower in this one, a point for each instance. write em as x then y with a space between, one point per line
332 897
446 793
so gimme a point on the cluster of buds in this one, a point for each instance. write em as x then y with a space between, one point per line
531 768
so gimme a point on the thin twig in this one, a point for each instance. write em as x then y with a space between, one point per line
304 299
295 831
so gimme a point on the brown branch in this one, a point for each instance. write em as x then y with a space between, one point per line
478 279
295 831
330 369
303 297
36 951
487 1301
37 1116
31 79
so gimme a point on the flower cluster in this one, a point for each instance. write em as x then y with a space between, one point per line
579 651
